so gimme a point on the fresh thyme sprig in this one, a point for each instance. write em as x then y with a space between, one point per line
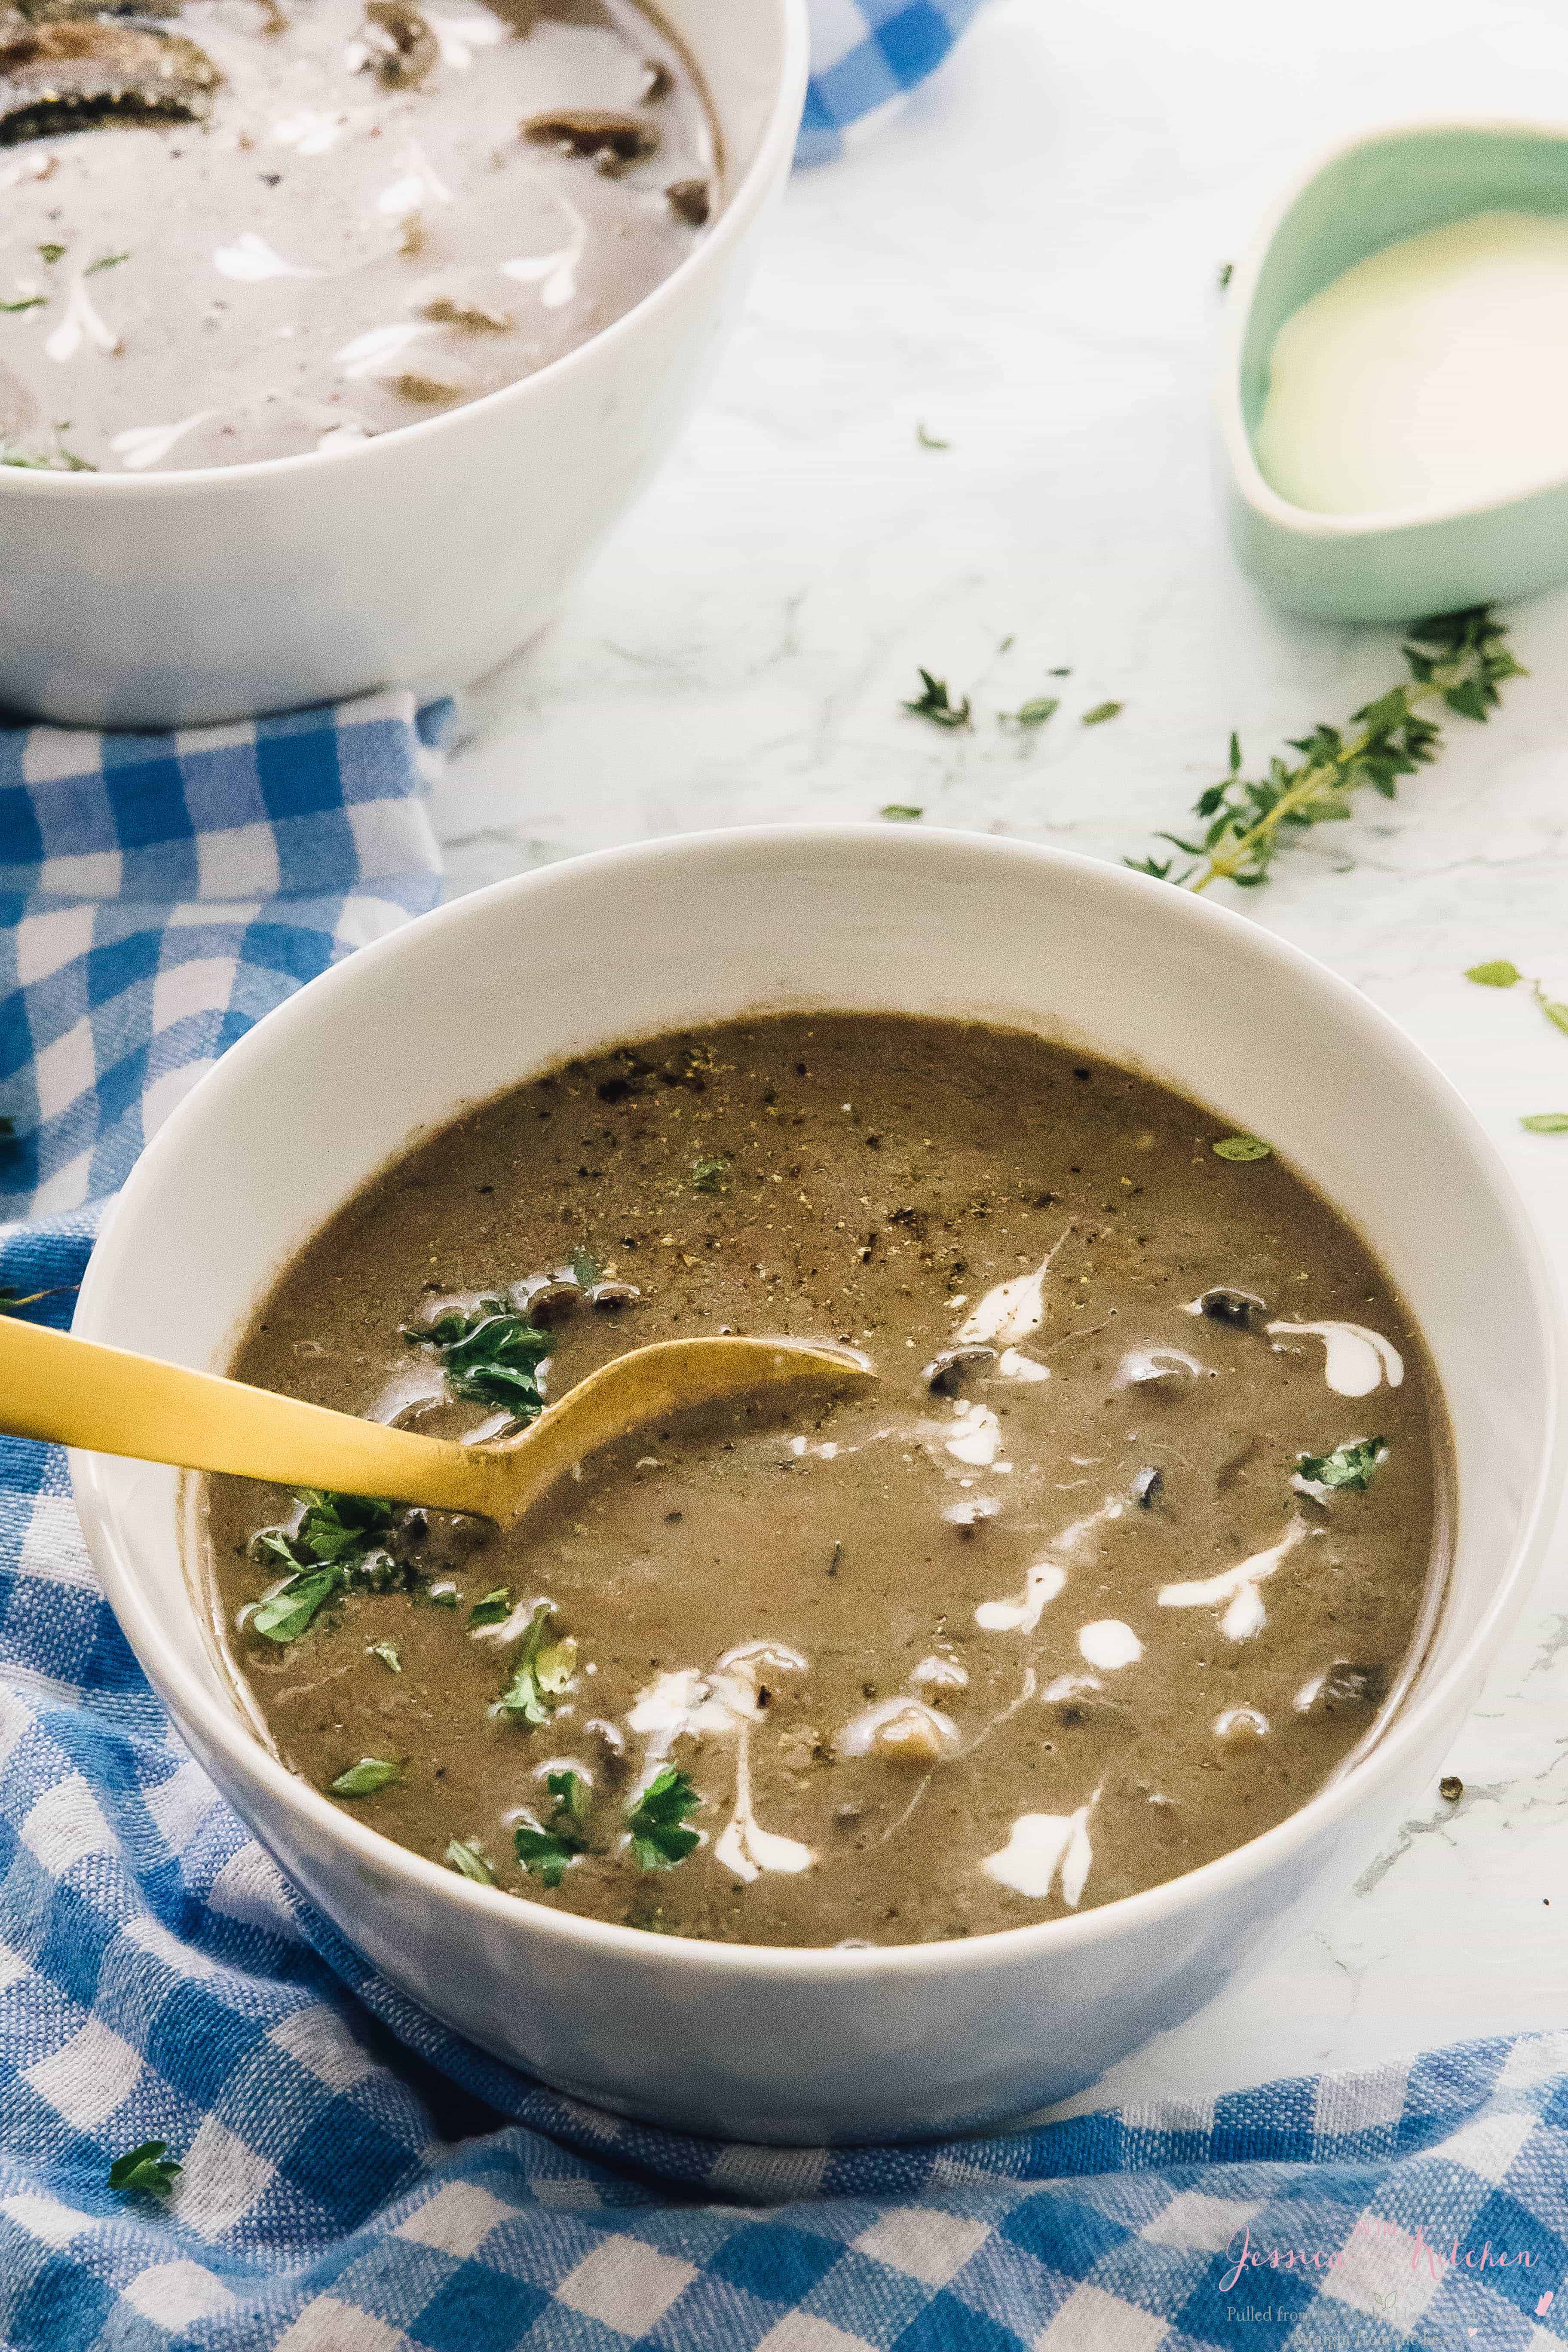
1456 662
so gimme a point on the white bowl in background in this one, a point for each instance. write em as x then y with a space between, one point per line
419 558
809 2045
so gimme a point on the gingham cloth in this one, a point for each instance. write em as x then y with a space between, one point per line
866 58
354 2178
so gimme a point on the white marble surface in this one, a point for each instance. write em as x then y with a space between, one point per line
1027 261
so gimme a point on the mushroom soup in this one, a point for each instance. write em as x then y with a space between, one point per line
1119 1559
240 229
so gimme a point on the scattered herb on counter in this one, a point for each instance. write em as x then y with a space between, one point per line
1227 272
493 1610
1503 975
148 2170
105 261
586 1268
51 252
1456 660
935 703
64 461
490 1357
363 1779
707 1175
1242 1147
543 1674
903 813
546 1852
1451 1788
657 1821
1033 713
470 1862
929 440
1347 1466
1101 712
1546 1122
26 302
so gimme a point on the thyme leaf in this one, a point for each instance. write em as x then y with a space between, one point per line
148 2170
1349 1465
1503 975
1101 713
929 440
1546 1122
1456 662
657 1821
903 813
1033 713
935 702
365 1778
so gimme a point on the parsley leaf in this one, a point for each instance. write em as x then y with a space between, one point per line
146 2169
287 1615
470 1862
546 1852
1347 1466
543 1672
586 1268
1546 1122
363 1779
1242 1147
659 1839
338 1528
935 703
1101 712
707 1175
389 1654
492 1356
493 1610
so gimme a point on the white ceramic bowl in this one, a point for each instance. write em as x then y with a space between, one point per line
420 558
795 2045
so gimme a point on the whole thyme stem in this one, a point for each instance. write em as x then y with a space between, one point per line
1456 662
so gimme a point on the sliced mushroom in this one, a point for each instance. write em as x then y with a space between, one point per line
1160 1371
1146 1488
657 82
691 201
549 1301
1222 1305
402 46
449 308
612 142
944 1373
68 77
614 1293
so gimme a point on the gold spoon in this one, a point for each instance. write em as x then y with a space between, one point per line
108 1400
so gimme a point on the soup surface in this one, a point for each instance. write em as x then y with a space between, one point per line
1107 1571
236 229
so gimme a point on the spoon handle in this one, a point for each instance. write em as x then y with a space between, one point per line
108 1400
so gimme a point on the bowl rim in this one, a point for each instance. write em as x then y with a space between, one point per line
1240 294
750 196
188 1696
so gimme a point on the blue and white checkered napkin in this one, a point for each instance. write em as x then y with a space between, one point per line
355 2179
866 58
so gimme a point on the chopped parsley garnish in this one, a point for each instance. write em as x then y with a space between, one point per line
1033 713
493 1610
1546 1122
470 1862
935 703
707 1175
546 1852
1101 712
543 1672
657 1821
586 1268
492 1356
1242 1147
147 2170
445 1595
363 1779
286 1615
1347 1466
903 813
389 1654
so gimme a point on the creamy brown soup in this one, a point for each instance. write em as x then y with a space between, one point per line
237 229
1115 1563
